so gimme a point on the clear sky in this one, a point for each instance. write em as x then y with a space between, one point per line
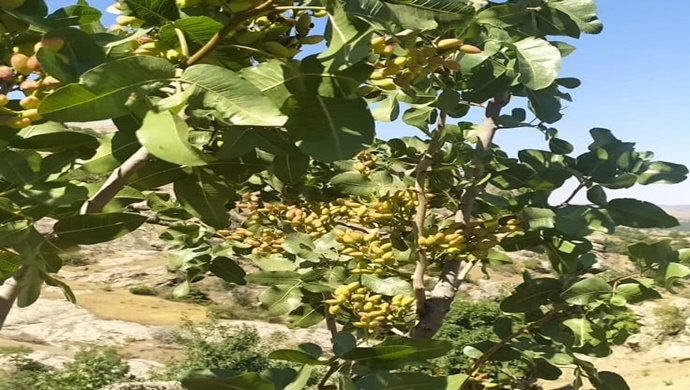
635 81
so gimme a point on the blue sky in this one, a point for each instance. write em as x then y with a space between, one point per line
635 81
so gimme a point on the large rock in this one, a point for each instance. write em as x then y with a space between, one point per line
677 353
61 323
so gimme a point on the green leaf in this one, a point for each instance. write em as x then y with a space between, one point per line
539 62
650 253
16 167
660 172
580 221
410 381
273 278
228 270
155 174
502 16
13 232
675 271
79 54
348 38
302 379
306 316
280 300
232 98
386 352
538 218
387 110
607 380
296 356
103 92
422 14
545 104
329 129
582 12
238 141
166 136
389 286
224 380
424 349
568 82
597 195
531 295
112 152
557 145
355 183
204 196
52 137
639 214
586 291
153 12
29 287
9 263
291 168
95 228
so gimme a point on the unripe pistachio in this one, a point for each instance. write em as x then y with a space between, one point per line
32 114
19 63
18 122
450 43
470 49
29 102
53 44
6 73
33 64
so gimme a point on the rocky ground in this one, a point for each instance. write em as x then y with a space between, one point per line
108 314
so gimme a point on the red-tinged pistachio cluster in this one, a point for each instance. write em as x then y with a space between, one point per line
364 161
22 69
373 312
371 254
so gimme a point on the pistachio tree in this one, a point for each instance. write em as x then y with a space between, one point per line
249 127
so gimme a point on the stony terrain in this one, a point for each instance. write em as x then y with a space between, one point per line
108 314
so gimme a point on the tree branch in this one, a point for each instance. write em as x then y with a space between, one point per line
115 182
454 271
486 356
265 7
420 216
9 292
574 193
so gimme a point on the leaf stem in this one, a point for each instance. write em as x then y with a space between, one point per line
573 194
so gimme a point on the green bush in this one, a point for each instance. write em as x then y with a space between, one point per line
468 323
91 369
215 345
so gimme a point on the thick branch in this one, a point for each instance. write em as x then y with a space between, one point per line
454 271
115 182
420 216
8 294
